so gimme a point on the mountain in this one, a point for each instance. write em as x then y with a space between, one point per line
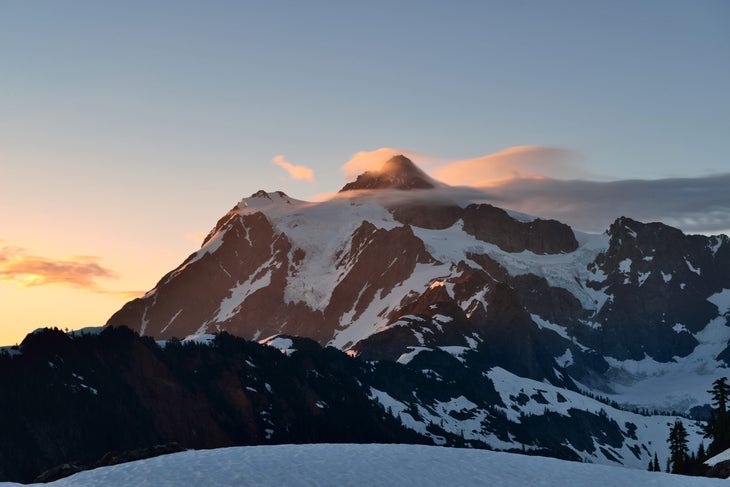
73 401
502 315
77 401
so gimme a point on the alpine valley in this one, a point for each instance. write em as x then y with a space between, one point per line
399 310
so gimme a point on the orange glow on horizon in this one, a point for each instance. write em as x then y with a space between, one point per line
38 289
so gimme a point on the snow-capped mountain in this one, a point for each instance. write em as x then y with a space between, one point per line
402 268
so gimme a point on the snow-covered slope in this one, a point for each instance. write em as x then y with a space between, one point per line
375 465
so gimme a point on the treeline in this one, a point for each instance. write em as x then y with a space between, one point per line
632 409
72 401
717 430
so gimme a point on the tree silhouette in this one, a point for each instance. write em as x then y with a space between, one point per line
718 426
678 449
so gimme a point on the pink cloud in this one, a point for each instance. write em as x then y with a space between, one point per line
296 172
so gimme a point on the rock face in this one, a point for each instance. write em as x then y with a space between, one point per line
490 224
389 274
661 284
398 172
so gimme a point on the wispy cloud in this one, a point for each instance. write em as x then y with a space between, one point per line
296 172
83 271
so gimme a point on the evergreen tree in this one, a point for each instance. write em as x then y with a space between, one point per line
651 466
718 426
678 449
657 467
720 393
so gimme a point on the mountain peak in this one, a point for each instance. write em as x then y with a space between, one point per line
398 172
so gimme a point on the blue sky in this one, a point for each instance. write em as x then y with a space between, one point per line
638 88
125 126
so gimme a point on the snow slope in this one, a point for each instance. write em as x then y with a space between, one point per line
374 465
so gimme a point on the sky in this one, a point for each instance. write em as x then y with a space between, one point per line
128 128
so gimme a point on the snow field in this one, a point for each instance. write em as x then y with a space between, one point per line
372 465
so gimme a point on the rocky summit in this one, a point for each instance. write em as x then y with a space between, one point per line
398 172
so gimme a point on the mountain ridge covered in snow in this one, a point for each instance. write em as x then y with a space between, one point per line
469 324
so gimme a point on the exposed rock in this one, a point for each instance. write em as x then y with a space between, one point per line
720 470
659 280
250 251
433 216
494 225
398 172
377 260
553 304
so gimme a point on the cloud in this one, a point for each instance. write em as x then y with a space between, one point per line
319 197
520 162
695 205
548 182
296 172
29 270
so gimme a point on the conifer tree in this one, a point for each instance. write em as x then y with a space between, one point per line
657 467
678 449
718 426
720 393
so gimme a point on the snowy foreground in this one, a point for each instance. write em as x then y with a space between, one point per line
368 465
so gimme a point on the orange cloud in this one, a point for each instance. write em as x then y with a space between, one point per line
29 270
520 162
296 172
